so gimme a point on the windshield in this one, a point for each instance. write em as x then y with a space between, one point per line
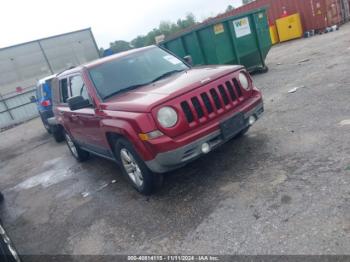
134 70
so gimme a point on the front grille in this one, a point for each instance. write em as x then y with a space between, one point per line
216 98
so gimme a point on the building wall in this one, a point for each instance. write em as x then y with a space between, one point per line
23 65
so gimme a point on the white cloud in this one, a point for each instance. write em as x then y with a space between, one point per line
22 21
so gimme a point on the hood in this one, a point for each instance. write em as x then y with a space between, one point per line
145 98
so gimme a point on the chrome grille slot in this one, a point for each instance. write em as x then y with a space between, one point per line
230 90
207 103
216 99
224 95
187 111
237 86
197 106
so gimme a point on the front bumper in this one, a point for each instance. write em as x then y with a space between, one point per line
179 157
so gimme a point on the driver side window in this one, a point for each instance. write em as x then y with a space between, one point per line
78 88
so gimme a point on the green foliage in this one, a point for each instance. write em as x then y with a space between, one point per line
101 51
165 28
229 8
120 46
138 42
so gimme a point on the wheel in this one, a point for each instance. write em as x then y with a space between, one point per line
243 132
1 197
78 153
57 133
264 69
135 169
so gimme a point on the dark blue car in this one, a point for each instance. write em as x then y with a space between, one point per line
43 101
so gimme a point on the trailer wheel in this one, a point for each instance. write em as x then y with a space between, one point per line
264 69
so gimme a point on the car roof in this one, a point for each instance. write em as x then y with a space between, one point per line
104 60
43 80
116 56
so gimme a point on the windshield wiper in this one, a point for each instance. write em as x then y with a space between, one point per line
167 74
125 90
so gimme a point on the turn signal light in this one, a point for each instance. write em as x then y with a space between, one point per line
151 135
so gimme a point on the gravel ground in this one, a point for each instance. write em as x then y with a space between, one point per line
281 189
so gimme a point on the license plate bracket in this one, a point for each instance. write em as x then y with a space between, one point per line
232 126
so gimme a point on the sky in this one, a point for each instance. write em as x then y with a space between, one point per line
26 20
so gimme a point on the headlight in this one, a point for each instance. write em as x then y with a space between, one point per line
243 79
167 117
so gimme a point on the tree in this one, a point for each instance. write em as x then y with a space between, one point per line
165 28
101 51
187 22
139 41
229 8
120 46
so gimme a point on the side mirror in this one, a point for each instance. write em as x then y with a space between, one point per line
188 60
78 102
33 99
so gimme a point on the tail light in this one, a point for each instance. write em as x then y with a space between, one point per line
46 103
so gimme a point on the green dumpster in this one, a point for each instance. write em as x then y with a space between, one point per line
241 39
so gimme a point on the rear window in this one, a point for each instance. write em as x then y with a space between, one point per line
39 91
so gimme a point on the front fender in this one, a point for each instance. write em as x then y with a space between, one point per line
130 129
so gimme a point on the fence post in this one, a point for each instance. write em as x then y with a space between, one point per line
45 57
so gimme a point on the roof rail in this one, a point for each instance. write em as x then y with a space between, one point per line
69 68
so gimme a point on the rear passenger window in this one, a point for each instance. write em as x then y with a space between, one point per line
64 90
78 87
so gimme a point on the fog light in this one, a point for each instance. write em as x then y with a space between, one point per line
205 148
252 120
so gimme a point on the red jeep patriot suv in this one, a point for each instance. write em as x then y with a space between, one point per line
151 112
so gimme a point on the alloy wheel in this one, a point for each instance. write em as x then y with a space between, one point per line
131 167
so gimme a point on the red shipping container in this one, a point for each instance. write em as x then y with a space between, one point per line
315 14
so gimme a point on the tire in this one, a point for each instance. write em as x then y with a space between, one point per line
243 132
135 169
263 70
1 197
57 133
79 154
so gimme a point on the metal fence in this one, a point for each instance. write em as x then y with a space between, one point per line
16 107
